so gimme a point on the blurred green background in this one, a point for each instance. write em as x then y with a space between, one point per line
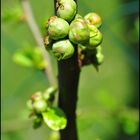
108 101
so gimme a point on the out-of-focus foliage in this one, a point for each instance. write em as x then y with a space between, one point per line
30 57
108 101
12 14
129 120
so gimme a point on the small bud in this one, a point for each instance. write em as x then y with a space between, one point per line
57 28
63 49
36 96
79 32
66 9
100 58
99 55
49 94
93 19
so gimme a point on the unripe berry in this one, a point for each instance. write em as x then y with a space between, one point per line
95 37
57 28
66 9
40 106
79 32
63 49
93 19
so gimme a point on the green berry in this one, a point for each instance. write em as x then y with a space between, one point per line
40 106
63 49
95 37
93 19
79 32
57 28
66 9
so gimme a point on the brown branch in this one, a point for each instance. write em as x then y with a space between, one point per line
37 35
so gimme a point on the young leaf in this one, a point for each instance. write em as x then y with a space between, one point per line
55 118
49 94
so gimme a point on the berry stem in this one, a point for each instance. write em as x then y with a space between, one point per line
68 79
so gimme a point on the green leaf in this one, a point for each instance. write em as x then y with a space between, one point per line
55 118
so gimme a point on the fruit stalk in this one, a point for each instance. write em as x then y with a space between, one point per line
68 79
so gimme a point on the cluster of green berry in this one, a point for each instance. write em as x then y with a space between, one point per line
39 103
68 29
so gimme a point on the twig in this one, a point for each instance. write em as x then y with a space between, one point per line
37 35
